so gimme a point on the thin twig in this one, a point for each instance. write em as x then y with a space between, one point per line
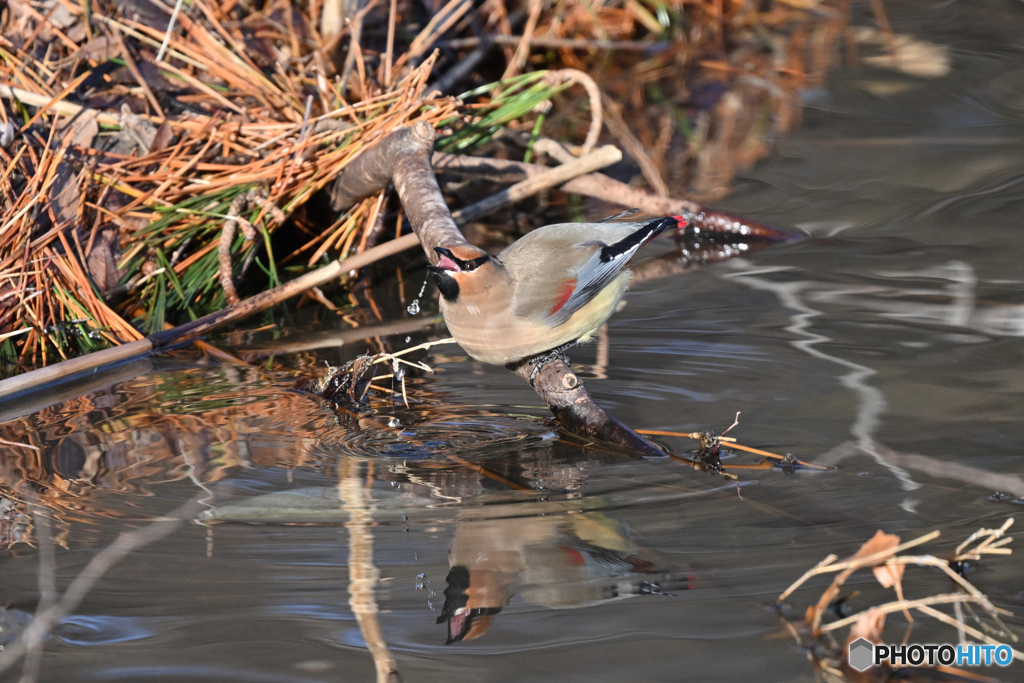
593 92
523 46
167 33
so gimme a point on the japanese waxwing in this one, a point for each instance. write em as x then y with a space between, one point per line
556 285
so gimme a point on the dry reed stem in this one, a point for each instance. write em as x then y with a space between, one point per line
992 542
859 563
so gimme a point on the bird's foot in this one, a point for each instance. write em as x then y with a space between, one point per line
542 359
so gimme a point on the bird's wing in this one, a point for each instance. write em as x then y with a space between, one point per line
586 269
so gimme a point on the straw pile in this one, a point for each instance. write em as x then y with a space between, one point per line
150 162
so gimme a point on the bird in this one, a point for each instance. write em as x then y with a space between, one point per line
554 287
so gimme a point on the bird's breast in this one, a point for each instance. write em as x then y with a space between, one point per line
486 326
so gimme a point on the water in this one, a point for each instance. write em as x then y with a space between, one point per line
414 307
890 346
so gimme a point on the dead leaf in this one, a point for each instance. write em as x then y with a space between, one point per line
868 626
7 134
878 543
164 136
61 17
82 129
65 193
100 49
889 574
77 33
141 130
102 261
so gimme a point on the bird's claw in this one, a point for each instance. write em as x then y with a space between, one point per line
542 359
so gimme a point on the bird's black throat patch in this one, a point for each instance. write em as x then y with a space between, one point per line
446 284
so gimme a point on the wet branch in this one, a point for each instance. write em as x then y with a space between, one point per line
578 413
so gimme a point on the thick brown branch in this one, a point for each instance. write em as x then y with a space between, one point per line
578 413
404 159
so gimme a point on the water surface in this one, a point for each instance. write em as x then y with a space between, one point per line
890 344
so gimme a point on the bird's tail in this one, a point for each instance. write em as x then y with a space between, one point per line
649 231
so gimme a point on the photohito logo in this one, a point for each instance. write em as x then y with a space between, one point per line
863 654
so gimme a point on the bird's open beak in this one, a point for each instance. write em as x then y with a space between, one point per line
446 261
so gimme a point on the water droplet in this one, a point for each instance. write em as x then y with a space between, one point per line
408 339
414 307
394 422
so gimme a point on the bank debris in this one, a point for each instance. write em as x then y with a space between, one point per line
348 385
152 154
707 457
974 617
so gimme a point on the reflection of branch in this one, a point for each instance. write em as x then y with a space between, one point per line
871 402
335 338
126 543
47 584
363 575
600 367
932 466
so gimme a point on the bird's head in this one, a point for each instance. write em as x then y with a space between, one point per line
458 267
471 601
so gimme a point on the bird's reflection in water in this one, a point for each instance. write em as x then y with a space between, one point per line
561 562
529 522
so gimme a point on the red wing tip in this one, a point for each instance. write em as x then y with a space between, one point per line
680 221
568 287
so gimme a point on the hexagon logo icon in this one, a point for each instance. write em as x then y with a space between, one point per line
861 655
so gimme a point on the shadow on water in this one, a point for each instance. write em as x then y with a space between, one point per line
463 538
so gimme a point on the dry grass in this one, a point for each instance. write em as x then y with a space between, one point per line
885 556
119 170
